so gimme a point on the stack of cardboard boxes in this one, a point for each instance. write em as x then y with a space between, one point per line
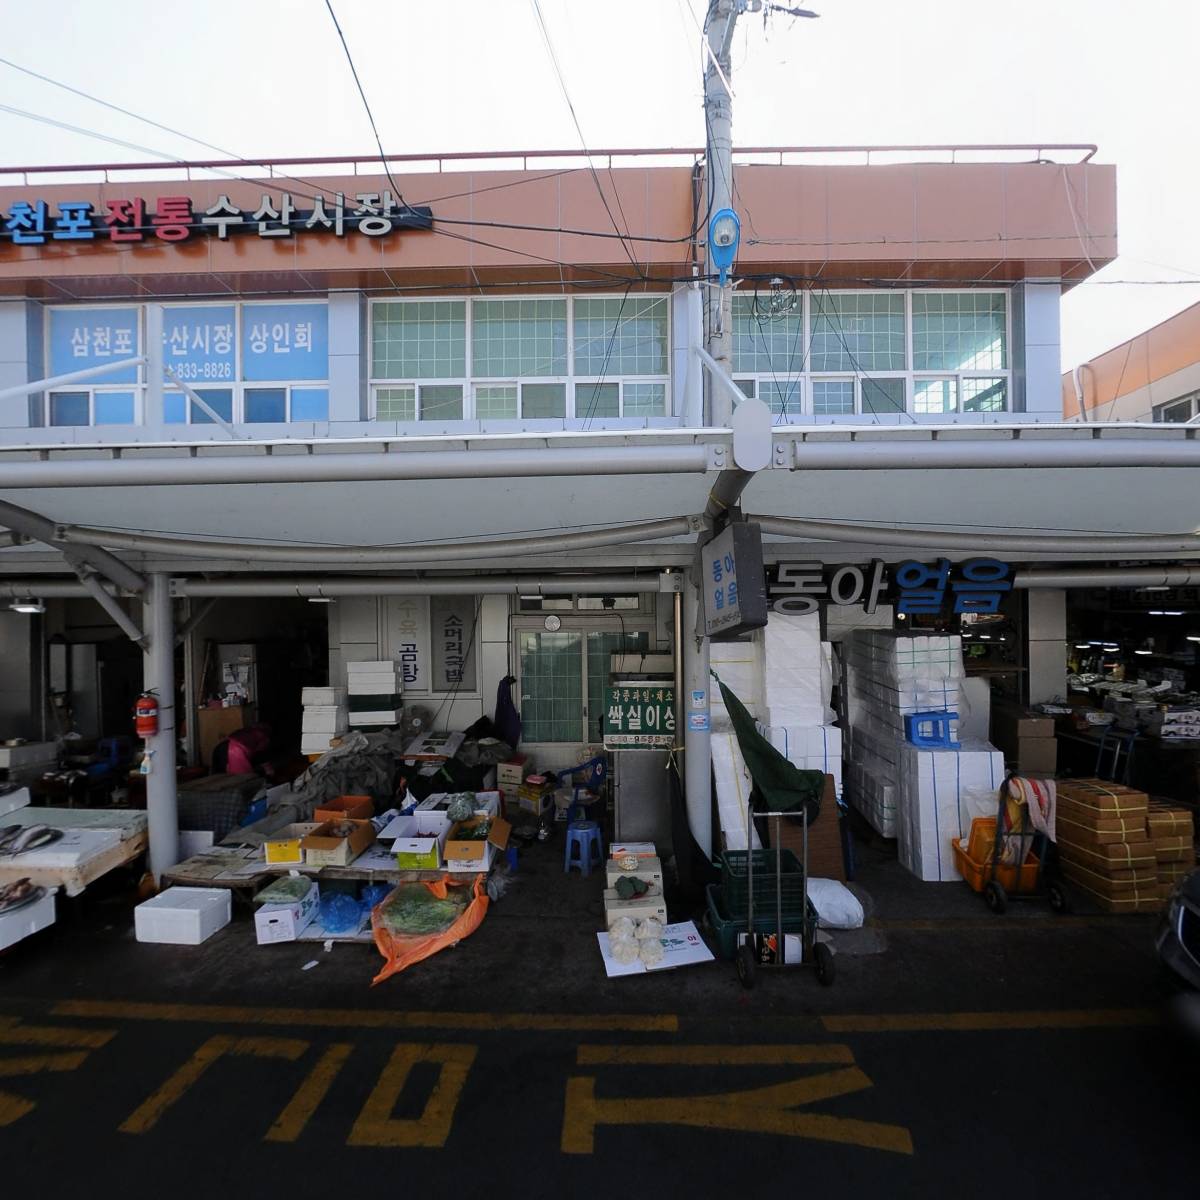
649 903
1105 845
1172 834
510 775
1027 740
325 717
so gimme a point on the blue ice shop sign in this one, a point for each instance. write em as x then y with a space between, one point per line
199 342
285 342
732 581
93 337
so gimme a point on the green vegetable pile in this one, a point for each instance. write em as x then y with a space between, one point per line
413 909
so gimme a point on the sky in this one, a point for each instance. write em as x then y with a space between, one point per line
268 78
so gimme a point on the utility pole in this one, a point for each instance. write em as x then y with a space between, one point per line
718 116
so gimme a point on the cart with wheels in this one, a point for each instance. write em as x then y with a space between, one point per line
813 952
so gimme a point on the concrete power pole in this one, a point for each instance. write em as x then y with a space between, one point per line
718 117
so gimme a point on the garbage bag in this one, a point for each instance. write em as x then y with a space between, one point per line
340 913
375 893
419 919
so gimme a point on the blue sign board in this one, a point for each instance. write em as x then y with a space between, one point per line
199 342
91 337
285 341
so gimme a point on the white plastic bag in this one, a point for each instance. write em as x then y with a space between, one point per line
836 905
649 930
624 950
622 927
651 951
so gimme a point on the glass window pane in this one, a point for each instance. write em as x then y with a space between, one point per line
443 402
543 400
220 400
174 408
783 398
883 396
396 404
600 648
833 397
747 385
935 395
418 340
496 400
985 395
858 332
266 404
645 400
621 337
69 408
765 343
597 400
962 331
1177 413
113 408
310 404
519 337
552 687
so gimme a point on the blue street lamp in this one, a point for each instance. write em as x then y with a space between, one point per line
724 233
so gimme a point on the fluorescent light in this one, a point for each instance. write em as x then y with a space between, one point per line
1147 652
1087 645
1162 587
1173 612
985 637
1155 612
1193 637
1097 643
27 604
320 599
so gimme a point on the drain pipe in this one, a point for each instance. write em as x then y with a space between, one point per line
318 588
1077 381
1099 577
111 606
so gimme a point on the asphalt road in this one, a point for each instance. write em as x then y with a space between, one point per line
958 1054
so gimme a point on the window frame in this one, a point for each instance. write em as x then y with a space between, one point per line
1191 399
470 381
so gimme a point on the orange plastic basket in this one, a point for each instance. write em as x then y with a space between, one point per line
977 874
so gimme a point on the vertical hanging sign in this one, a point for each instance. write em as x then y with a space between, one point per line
453 629
732 581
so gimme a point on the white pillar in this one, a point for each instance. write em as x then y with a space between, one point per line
1046 635
159 673
154 414
348 355
697 742
1036 326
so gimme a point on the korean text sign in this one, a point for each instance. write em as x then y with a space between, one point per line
640 716
731 581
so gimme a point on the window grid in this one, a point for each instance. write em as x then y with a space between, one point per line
857 331
518 337
621 337
959 331
419 341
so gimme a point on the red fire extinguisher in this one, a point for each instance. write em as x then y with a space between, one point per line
145 715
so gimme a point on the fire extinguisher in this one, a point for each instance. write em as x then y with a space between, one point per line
145 715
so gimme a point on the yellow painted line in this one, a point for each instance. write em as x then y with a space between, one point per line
376 1126
982 1022
337 1018
710 1056
14 1033
34 1064
148 1113
291 1122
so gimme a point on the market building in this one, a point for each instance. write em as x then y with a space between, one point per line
456 416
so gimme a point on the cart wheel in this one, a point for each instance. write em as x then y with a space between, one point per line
1059 897
745 965
823 961
995 898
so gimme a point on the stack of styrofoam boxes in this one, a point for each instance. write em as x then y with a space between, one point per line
375 694
324 718
888 678
940 793
739 664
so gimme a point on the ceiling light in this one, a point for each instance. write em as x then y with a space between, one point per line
1083 645
320 599
985 637
1143 652
1111 646
1173 612
1162 587
1095 643
1155 612
27 604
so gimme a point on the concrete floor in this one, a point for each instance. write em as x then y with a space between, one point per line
957 1050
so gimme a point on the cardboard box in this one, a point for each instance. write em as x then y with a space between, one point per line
285 845
637 849
1166 820
511 773
826 858
1129 823
462 854
1116 856
1115 884
1085 835
356 808
1103 796
419 853
1037 756
1010 724
639 909
323 848
1173 872
649 869
1174 849
183 916
1143 899
285 922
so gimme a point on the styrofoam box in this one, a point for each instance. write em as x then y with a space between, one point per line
315 743
384 717
324 720
11 801
377 687
810 748
183 916
28 920
377 667
320 696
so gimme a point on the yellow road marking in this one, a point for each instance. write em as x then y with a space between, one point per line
758 1110
377 1127
13 1108
148 1113
14 1033
311 1092
710 1056
225 1014
982 1022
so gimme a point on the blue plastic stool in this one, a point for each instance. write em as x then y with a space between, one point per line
584 836
930 730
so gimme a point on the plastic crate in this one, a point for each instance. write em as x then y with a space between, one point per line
735 881
726 927
977 874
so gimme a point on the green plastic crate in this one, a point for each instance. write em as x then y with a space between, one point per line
735 881
727 927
